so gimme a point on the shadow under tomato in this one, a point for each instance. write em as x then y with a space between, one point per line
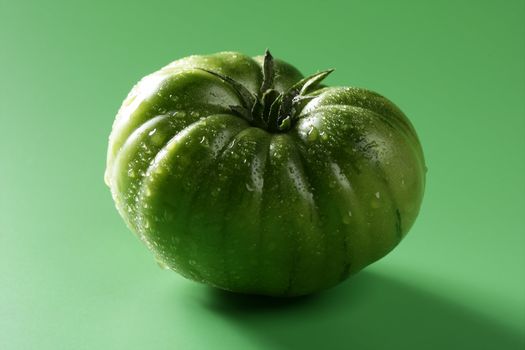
369 311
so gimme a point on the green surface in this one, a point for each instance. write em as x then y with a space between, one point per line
73 277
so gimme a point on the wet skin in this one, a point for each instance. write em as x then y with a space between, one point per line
239 173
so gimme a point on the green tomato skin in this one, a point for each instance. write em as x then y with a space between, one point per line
239 208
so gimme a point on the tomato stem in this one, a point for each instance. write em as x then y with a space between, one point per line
268 72
271 110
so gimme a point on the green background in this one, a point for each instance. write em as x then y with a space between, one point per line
73 277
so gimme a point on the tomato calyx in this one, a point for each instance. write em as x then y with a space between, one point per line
269 109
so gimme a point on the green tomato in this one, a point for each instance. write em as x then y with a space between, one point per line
240 173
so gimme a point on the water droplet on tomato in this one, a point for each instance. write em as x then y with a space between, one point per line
313 134
162 265
157 139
